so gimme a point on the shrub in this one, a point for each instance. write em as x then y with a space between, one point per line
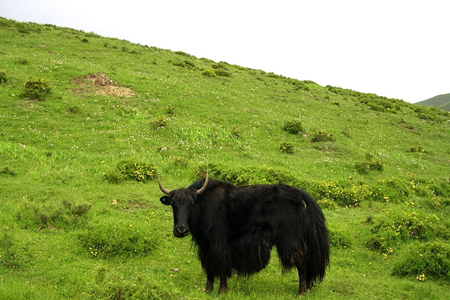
13 254
419 149
371 164
427 260
248 175
3 77
184 64
158 123
8 172
395 227
342 193
131 170
286 147
293 127
340 239
66 215
36 89
117 238
222 72
209 73
322 136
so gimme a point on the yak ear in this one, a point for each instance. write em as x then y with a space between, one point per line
165 200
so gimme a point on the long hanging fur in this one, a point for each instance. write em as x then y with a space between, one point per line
235 229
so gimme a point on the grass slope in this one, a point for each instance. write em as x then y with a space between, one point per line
79 210
440 101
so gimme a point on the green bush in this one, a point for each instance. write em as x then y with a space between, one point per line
14 253
130 170
118 238
65 215
286 147
322 136
395 227
209 73
248 175
425 260
222 72
184 64
36 89
158 123
3 77
340 239
371 164
293 127
342 193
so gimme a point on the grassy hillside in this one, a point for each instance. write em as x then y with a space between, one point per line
440 101
87 122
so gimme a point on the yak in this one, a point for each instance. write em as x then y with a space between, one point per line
235 229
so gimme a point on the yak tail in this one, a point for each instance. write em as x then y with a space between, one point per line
318 244
303 241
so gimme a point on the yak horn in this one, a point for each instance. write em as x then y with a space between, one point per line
167 192
203 188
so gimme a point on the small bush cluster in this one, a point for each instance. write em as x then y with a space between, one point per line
3 77
340 239
322 136
286 147
341 193
419 149
118 238
248 175
425 260
381 104
222 72
371 164
209 73
13 254
395 227
7 171
66 215
293 127
36 89
131 170
184 64
158 123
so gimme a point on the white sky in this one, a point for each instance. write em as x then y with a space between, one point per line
393 48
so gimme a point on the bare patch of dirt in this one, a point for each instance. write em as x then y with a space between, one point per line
100 84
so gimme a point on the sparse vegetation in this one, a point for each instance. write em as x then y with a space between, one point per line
80 216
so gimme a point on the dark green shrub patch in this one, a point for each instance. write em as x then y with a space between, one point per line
184 64
286 147
322 136
158 123
36 89
249 175
293 127
131 170
7 171
222 72
425 260
340 239
65 215
419 149
209 73
395 227
118 238
342 193
3 77
371 164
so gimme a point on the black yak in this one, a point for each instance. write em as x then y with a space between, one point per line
235 229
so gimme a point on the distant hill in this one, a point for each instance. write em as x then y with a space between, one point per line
440 101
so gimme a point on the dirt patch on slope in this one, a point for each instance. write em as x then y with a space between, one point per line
100 84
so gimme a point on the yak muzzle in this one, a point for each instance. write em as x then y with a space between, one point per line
181 231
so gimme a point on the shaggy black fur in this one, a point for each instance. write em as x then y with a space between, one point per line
235 229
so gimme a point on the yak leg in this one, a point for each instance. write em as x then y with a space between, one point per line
223 284
209 282
302 287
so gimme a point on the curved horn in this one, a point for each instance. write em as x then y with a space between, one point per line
167 192
203 188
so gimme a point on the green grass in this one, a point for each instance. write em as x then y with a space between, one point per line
79 206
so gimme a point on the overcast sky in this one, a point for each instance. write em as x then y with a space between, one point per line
394 48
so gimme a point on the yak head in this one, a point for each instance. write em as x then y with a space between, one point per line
182 202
